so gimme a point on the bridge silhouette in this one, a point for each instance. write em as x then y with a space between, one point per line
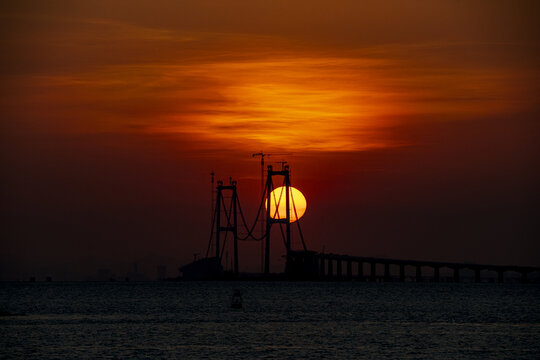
309 265
304 264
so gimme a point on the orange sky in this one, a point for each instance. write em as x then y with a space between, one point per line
424 92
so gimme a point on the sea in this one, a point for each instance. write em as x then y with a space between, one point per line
278 320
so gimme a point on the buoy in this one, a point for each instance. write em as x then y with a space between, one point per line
236 300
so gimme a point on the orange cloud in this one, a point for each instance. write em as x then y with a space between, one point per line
239 91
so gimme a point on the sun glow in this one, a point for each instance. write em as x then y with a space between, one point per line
297 205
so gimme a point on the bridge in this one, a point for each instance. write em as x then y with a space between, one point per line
304 264
309 265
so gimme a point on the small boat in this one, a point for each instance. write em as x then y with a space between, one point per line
236 300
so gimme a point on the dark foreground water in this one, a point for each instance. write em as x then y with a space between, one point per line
279 320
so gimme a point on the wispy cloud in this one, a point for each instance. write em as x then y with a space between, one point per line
248 90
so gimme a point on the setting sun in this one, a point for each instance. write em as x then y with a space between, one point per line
297 203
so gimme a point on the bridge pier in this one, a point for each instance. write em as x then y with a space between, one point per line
311 265
330 267
456 274
361 270
500 276
316 267
477 277
387 272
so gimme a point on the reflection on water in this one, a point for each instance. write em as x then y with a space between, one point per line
278 320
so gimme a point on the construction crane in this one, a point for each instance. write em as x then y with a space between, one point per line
262 155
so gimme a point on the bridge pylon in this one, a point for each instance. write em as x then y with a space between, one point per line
271 218
231 218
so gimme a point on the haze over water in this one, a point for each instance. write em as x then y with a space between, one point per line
279 320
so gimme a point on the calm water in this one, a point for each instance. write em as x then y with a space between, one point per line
279 320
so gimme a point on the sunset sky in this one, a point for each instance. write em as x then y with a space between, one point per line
412 128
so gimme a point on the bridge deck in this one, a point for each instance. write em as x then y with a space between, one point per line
315 265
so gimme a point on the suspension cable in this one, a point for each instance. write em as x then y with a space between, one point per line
276 213
298 224
249 236
250 231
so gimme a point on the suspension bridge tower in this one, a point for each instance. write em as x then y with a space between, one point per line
274 216
225 222
229 224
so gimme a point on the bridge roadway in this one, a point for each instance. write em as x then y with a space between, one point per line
312 265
